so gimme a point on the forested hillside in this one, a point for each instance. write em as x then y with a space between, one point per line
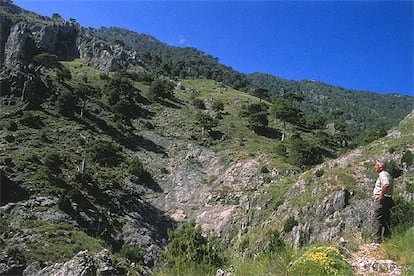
361 111
121 155
175 61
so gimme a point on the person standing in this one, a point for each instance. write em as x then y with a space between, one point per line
383 202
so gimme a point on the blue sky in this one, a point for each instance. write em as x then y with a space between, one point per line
361 45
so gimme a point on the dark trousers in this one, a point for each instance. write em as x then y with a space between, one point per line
382 217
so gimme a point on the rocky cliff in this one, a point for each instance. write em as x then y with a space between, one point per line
24 35
232 191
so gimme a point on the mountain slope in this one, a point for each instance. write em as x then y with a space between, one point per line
361 110
99 150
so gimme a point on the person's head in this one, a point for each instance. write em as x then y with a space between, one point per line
379 166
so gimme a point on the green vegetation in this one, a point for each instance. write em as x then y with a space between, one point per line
290 222
132 253
362 122
400 248
321 261
402 213
60 242
98 143
188 250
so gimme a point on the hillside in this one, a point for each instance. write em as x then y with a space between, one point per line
361 110
108 163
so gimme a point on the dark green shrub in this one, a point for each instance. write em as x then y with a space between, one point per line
4 224
275 242
290 222
64 204
264 169
319 173
410 187
104 76
12 126
63 74
187 247
46 59
218 105
16 254
52 160
31 120
105 153
135 167
407 158
9 138
160 89
280 149
258 121
148 125
105 180
66 103
373 135
393 168
199 103
133 253
402 213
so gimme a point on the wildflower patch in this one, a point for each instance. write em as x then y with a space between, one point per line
321 261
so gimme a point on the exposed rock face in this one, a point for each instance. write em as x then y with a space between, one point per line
106 56
60 39
335 202
20 41
25 40
81 264
17 45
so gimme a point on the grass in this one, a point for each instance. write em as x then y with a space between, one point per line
62 241
273 264
401 249
59 242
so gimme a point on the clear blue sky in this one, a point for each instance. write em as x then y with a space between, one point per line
362 45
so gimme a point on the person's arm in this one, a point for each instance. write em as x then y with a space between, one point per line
384 189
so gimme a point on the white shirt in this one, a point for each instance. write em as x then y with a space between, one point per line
383 178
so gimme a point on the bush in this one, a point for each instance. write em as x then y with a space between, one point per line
410 187
66 103
280 149
264 169
12 126
133 253
218 105
402 213
63 74
105 153
189 248
393 168
321 261
135 167
31 120
160 89
46 59
17 255
407 158
198 103
52 160
289 224
319 173
65 204
275 242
